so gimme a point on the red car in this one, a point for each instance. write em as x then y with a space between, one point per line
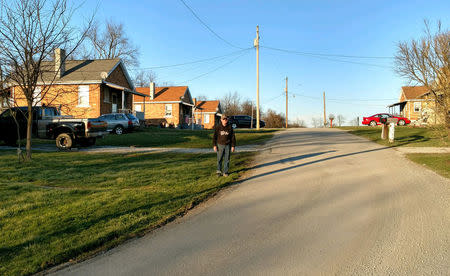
375 119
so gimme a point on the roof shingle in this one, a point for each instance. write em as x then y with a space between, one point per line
414 92
208 106
163 94
79 70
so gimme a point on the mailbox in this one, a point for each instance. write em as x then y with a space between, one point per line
392 120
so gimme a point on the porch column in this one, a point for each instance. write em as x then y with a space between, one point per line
123 100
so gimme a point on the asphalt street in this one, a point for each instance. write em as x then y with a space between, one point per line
316 202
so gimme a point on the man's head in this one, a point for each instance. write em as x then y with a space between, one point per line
224 119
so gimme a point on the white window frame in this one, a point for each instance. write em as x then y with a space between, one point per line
37 96
138 107
418 106
83 96
206 119
168 111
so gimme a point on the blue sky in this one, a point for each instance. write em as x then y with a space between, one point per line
167 33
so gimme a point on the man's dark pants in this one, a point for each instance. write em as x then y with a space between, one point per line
223 155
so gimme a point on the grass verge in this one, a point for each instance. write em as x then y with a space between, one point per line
404 136
438 162
173 138
182 138
65 206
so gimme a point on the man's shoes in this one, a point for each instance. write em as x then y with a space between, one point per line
225 174
218 173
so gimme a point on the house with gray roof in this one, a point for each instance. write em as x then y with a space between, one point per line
82 88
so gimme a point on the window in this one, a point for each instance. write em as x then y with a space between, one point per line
107 97
206 119
138 107
168 110
417 107
37 96
83 95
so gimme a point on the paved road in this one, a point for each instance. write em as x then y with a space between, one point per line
318 202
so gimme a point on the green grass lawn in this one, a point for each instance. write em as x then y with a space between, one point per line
67 205
404 136
438 162
182 138
174 138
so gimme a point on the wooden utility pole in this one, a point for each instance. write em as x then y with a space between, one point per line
256 44
324 111
286 102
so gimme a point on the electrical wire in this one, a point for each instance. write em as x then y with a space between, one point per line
192 62
330 59
326 55
207 27
215 69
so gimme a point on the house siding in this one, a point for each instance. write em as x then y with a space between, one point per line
118 77
155 114
67 97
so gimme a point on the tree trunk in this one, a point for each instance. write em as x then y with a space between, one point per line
29 130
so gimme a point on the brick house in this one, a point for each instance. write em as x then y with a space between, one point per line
82 88
416 105
207 113
165 106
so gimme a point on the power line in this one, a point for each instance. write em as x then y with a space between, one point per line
192 62
207 27
326 55
331 59
215 69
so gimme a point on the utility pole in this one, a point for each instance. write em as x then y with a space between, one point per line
286 102
324 111
251 122
256 44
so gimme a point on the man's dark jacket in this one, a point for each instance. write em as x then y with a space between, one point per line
224 135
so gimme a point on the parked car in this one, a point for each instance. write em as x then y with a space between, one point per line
375 119
244 121
134 119
117 123
49 124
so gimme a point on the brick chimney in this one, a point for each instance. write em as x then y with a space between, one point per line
60 59
152 90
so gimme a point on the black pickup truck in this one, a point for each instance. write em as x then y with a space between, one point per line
49 124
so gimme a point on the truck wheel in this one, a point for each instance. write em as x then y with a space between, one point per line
64 141
401 123
118 130
373 123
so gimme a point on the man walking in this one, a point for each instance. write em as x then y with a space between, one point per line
224 142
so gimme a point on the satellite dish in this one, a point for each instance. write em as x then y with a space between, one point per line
103 75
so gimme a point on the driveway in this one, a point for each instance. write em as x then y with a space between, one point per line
317 202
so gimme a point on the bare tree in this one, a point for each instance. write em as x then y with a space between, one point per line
143 78
201 98
274 119
426 61
29 32
231 104
248 108
340 119
316 122
112 42
298 123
